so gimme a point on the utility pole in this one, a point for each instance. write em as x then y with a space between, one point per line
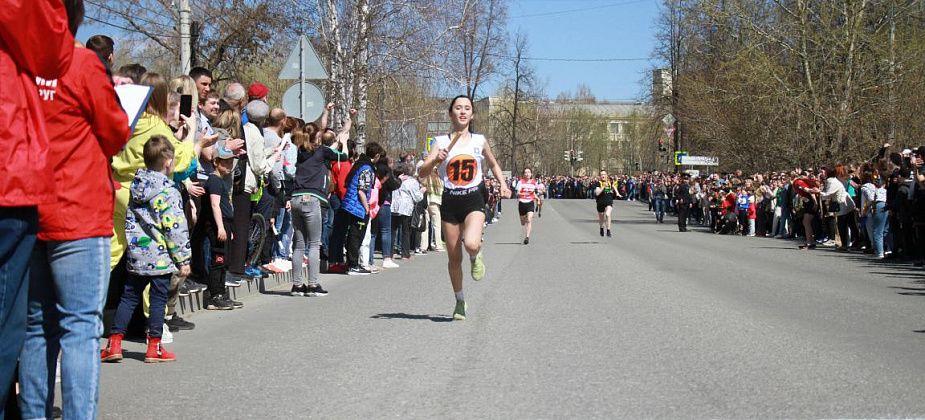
185 36
514 115
301 75
675 56
892 86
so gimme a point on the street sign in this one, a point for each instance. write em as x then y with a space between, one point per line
677 158
700 160
312 102
311 66
669 120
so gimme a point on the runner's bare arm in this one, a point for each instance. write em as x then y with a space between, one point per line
496 169
435 155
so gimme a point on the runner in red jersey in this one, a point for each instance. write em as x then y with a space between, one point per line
527 197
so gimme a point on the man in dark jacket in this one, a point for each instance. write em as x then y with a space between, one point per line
683 200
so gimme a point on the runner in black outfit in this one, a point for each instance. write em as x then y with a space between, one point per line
604 192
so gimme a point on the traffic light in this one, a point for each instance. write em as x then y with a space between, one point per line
567 156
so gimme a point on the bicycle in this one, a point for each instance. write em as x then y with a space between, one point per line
257 236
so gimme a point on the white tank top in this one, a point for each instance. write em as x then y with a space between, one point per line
462 168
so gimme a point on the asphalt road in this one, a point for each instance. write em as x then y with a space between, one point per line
651 323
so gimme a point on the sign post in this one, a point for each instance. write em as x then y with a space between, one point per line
303 64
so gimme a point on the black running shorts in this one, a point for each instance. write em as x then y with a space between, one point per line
603 204
525 208
455 207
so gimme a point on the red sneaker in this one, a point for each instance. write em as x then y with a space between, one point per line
338 268
157 353
113 351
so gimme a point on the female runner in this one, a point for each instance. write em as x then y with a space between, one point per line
463 208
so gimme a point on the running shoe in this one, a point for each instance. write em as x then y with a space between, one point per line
389 264
299 290
459 313
176 323
358 271
254 272
235 304
219 303
274 268
526 240
602 232
478 267
608 233
194 287
316 291
337 268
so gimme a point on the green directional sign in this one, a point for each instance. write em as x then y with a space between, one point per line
677 157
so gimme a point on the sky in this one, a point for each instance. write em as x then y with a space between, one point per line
589 29
573 29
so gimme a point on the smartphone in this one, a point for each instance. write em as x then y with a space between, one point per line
186 105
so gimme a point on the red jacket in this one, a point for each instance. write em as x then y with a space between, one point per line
34 42
339 172
86 126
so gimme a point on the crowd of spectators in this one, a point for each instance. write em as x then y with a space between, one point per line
123 217
876 207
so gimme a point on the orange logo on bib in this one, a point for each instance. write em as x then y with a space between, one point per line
461 170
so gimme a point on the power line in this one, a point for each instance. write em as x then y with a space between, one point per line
573 60
584 9
125 15
134 31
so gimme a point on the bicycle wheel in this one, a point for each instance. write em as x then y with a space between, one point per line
257 234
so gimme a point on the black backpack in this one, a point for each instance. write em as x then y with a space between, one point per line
418 221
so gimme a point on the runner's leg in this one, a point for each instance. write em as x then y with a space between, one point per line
529 222
472 232
451 233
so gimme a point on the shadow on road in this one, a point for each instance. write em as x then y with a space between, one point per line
402 315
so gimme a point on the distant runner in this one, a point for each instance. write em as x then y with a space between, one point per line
527 196
604 192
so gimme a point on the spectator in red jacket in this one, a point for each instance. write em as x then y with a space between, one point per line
34 43
69 273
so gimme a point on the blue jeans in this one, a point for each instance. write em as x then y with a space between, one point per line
783 225
284 239
328 225
134 287
659 209
18 227
384 235
876 227
68 284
